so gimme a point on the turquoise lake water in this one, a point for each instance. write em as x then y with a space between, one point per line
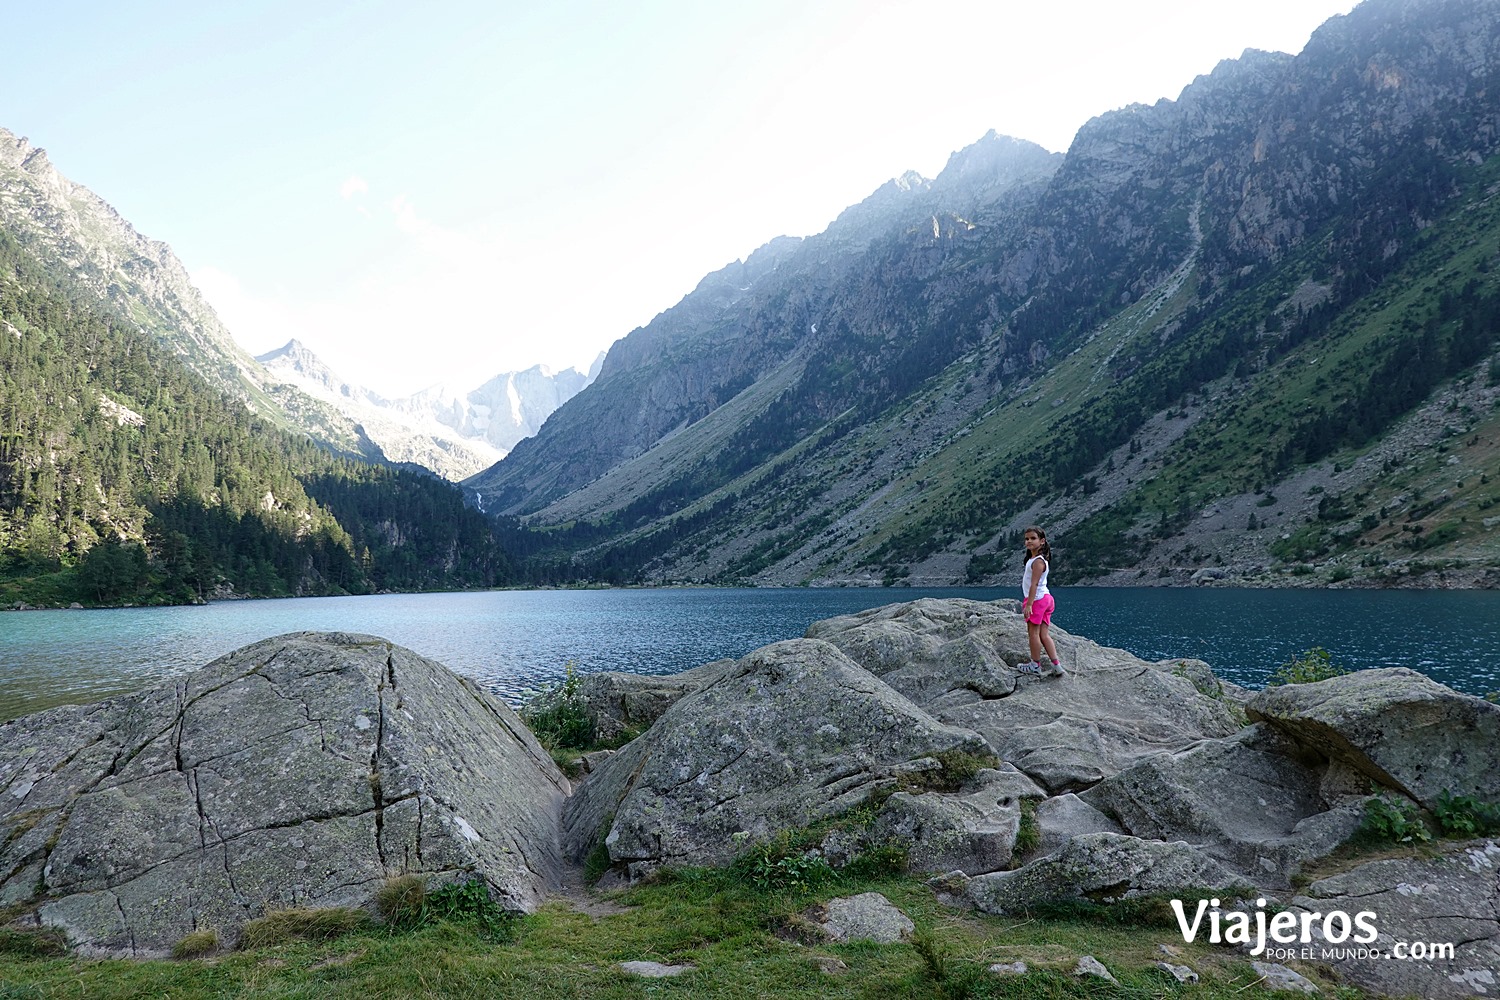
512 641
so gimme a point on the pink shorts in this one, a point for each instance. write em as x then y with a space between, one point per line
1041 610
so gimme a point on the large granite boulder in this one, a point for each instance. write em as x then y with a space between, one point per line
793 733
956 658
1418 902
972 830
302 771
1101 867
1251 801
1399 727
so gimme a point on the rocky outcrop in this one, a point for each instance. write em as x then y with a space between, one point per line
793 733
1400 728
972 830
302 771
1101 868
956 658
621 703
1247 801
1451 899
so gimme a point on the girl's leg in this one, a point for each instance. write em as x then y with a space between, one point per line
1046 640
1033 636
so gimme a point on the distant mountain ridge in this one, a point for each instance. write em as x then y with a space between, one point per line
453 432
1177 345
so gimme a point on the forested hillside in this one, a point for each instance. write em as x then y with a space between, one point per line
126 478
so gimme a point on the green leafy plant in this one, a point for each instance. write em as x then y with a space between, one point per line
1390 820
783 865
560 716
1029 833
1306 668
1465 815
470 902
878 862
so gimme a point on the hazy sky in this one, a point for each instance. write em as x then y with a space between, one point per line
444 191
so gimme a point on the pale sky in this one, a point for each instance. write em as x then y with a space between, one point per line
444 191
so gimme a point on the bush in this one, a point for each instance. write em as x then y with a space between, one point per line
1466 816
559 716
781 865
1314 665
1391 820
470 903
400 902
1029 833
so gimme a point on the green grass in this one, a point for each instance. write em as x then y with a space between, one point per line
744 941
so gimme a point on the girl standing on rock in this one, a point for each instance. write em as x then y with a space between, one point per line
1037 603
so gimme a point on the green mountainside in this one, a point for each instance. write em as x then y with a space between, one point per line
125 477
1245 336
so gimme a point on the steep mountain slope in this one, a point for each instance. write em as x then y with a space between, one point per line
69 229
454 433
1210 305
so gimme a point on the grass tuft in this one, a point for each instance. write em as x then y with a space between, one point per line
196 944
280 927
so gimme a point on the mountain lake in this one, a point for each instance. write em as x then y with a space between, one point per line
514 641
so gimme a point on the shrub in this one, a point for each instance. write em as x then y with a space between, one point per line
881 861
1314 665
470 902
559 716
1465 815
781 865
1389 820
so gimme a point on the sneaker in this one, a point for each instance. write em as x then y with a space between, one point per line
1056 670
1029 668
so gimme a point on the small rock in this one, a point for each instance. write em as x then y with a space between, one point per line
655 970
829 966
1088 965
866 917
1009 968
1168 950
1279 977
1181 973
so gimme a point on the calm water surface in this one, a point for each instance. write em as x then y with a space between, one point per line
513 641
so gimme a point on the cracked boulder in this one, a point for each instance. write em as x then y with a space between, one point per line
972 830
1101 868
1397 727
956 658
792 733
1422 905
1251 801
302 771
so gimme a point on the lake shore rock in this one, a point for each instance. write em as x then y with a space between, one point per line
302 771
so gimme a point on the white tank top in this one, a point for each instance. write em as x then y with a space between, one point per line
1041 585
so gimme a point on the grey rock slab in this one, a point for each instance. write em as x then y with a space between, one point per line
655 970
1278 978
1182 973
869 916
1088 965
1399 727
301 771
1453 898
1062 817
1250 800
1101 867
793 733
956 658
1009 969
972 830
